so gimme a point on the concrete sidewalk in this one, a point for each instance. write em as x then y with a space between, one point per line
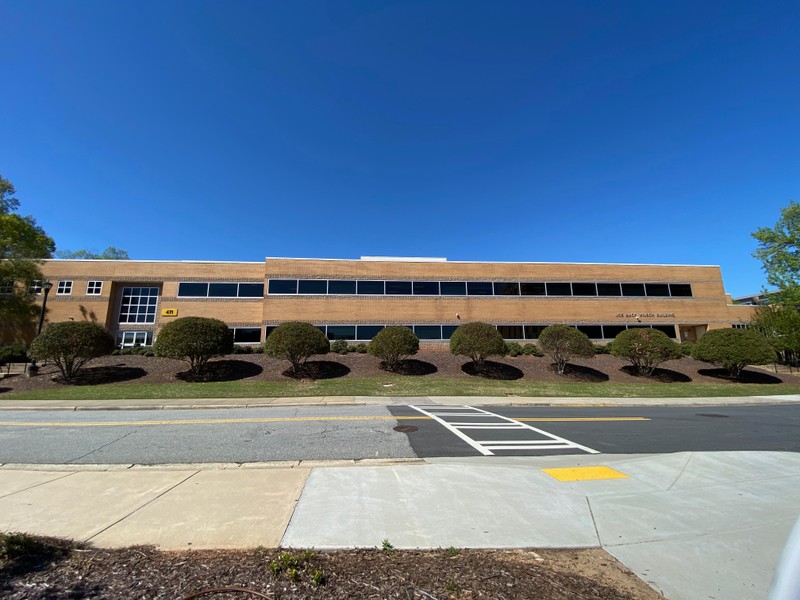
191 403
693 525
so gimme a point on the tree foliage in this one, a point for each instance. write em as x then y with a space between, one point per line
296 341
780 326
393 344
195 340
71 344
22 246
110 253
478 341
562 343
645 348
779 252
733 349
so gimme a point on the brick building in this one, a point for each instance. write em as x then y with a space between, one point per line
353 299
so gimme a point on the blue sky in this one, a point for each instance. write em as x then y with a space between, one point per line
648 132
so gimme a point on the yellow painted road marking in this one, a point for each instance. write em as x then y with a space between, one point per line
584 473
284 420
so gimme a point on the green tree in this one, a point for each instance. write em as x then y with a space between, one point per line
646 348
779 252
296 342
195 340
70 345
779 324
478 341
393 344
562 343
110 253
22 246
733 349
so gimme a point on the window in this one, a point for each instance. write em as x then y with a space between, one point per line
657 289
532 331
370 288
35 287
312 286
398 288
426 288
251 290
680 289
246 335
94 288
447 331
192 290
367 332
532 289
341 332
611 331
506 289
6 287
633 289
128 339
138 305
453 288
223 290
668 329
342 287
428 332
559 289
480 288
594 332
283 286
511 332
737 326
584 289
64 288
609 289
203 289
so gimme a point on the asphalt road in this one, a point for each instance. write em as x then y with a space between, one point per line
358 432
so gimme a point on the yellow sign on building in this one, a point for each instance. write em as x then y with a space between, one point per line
169 312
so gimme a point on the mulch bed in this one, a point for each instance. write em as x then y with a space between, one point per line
428 364
144 573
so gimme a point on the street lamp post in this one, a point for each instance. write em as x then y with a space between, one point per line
32 367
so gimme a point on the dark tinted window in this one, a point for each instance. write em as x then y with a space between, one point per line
532 289
454 288
611 331
480 288
506 289
447 331
247 335
398 287
223 290
511 332
428 332
532 331
680 289
657 289
559 289
339 286
595 332
341 332
633 289
370 287
251 290
193 290
608 289
313 286
367 332
584 289
668 329
283 286
269 330
426 288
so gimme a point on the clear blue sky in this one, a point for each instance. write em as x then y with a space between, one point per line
655 132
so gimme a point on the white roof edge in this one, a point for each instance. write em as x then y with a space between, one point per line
504 262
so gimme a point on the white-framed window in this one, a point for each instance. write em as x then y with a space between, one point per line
64 288
35 287
6 287
129 339
138 305
94 288
740 325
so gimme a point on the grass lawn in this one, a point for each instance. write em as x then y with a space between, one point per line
398 386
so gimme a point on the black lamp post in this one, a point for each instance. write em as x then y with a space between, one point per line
32 368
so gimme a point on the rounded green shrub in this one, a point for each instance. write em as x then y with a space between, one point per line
733 349
513 348
70 345
531 350
562 343
195 340
478 341
296 341
340 347
645 348
393 344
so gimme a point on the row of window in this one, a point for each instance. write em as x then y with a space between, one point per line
220 290
241 335
444 332
476 288
63 288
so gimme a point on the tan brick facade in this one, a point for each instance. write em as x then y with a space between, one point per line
707 308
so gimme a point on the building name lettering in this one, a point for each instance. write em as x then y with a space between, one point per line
645 315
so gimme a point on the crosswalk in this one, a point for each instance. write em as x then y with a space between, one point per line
489 433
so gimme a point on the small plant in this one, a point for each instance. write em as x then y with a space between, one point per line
393 344
452 551
478 341
317 577
340 347
451 587
602 348
72 344
387 546
513 348
361 348
531 350
13 353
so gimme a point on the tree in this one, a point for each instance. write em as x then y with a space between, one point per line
646 348
393 344
733 349
195 340
22 246
562 343
296 342
478 341
780 326
779 253
71 344
110 253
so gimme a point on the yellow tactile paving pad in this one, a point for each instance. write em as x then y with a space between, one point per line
584 473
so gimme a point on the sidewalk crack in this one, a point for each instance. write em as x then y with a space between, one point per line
35 485
594 523
122 437
686 464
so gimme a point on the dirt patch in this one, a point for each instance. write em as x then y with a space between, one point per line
142 572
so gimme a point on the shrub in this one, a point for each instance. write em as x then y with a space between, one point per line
393 344
361 348
195 340
340 347
602 348
72 344
296 342
733 349
562 343
531 350
513 349
242 350
686 348
478 341
645 348
13 353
